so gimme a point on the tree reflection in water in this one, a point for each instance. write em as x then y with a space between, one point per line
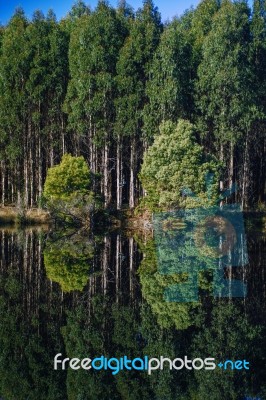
115 315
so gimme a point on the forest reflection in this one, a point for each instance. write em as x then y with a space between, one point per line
84 295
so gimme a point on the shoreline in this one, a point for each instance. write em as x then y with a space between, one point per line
33 216
125 219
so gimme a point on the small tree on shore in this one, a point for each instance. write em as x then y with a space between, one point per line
67 193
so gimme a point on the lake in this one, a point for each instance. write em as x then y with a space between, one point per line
88 295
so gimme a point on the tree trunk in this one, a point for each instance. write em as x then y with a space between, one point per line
39 167
221 156
118 266
245 175
231 165
3 182
132 175
105 175
119 179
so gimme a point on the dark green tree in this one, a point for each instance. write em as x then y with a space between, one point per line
94 49
226 96
14 72
171 78
133 70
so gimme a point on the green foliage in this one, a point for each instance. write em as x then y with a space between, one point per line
14 70
67 261
154 283
66 190
67 179
78 10
94 47
225 85
133 69
170 85
228 335
202 23
174 163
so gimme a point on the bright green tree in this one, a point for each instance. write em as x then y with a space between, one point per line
175 164
67 179
67 190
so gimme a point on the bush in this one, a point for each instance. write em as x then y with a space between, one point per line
67 193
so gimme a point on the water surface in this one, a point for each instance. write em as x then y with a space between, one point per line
86 296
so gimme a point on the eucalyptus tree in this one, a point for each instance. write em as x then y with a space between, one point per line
78 10
201 23
36 86
171 78
14 71
226 97
46 88
94 46
258 60
133 69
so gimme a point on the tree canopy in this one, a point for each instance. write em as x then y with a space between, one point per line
176 165
67 191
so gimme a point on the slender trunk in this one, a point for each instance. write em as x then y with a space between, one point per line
119 184
3 182
31 176
131 178
105 266
118 266
231 165
26 178
51 152
63 136
39 167
263 178
105 175
26 189
131 259
221 182
245 175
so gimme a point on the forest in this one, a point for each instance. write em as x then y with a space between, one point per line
110 84
114 114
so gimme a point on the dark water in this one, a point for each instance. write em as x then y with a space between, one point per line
88 296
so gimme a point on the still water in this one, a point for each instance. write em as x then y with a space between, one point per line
87 296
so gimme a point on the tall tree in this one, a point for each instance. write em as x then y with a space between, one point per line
226 90
171 78
133 69
46 88
258 61
14 71
94 47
